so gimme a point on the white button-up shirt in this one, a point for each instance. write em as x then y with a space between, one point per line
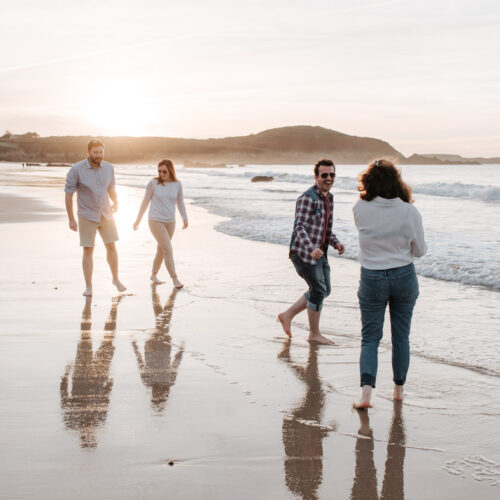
92 186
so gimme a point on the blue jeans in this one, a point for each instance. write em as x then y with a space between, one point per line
318 279
397 287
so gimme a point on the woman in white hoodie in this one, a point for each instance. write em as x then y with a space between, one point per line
391 235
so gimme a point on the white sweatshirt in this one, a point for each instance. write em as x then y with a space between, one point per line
163 200
390 233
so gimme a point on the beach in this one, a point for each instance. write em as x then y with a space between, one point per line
198 394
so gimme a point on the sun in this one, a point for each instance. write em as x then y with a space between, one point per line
119 106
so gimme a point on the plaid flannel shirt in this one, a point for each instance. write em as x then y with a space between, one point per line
310 215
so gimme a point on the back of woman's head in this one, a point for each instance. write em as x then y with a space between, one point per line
383 179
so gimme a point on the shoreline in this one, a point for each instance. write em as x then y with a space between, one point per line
15 209
240 398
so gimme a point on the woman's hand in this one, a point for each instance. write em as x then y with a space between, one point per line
136 226
186 224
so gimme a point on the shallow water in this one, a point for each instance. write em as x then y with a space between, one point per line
457 317
100 402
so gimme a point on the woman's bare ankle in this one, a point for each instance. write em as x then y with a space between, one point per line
154 278
177 283
366 397
397 394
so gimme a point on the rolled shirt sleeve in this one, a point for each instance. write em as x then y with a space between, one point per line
112 182
71 180
303 211
333 240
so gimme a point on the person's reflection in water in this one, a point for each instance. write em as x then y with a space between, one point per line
156 368
86 407
365 477
302 441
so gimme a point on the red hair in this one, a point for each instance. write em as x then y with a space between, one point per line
171 170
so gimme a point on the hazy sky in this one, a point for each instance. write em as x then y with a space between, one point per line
422 75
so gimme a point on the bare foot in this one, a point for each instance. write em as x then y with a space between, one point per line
88 292
119 285
177 283
362 405
319 339
366 397
156 280
397 394
286 323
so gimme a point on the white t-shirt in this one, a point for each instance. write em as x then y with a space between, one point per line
390 233
163 200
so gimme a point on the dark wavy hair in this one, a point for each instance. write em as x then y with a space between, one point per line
171 170
323 163
383 179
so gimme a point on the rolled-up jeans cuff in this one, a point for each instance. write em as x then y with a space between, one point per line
399 382
314 307
367 379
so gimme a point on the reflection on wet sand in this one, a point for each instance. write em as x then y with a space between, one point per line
156 368
365 476
86 407
303 441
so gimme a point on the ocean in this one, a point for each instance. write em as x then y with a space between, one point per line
458 314
457 318
460 206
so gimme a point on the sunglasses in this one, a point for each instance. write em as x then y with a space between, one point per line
163 171
324 175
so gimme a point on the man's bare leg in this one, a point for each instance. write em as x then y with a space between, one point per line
314 334
88 268
287 316
112 256
366 397
397 394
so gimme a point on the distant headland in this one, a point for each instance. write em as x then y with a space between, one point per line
295 145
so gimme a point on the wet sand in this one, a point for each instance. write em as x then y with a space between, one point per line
197 394
14 209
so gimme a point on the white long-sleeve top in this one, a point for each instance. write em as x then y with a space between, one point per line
164 199
390 233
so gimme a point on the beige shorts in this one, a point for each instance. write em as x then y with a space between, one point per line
87 229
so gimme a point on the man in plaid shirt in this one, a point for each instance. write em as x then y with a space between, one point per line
312 234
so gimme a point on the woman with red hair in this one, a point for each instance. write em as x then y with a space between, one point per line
164 193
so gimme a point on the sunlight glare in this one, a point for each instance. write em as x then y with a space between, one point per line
120 107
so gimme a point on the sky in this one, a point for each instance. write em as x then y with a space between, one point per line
423 76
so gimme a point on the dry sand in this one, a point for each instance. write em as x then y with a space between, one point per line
100 397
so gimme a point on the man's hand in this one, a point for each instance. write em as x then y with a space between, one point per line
136 226
339 247
186 224
317 253
73 225
114 207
